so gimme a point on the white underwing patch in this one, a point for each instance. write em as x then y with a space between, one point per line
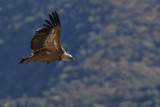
51 38
55 43
48 52
38 29
48 38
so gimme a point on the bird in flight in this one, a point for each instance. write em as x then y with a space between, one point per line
46 45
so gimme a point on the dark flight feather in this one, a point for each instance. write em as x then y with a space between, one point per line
46 25
53 22
56 18
49 23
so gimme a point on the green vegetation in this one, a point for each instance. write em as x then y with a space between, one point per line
1 9
1 41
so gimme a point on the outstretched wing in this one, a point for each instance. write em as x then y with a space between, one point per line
39 38
50 35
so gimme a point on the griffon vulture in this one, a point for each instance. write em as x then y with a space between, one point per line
46 45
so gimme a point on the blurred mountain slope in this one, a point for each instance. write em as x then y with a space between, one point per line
115 44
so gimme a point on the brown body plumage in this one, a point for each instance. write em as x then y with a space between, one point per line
45 44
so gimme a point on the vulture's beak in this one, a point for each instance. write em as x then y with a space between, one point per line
72 59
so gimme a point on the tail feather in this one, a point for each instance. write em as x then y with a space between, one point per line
23 60
26 60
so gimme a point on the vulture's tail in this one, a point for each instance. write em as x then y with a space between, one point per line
26 60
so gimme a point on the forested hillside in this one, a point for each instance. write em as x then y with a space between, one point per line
116 45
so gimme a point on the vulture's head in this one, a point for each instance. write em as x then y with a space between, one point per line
67 57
